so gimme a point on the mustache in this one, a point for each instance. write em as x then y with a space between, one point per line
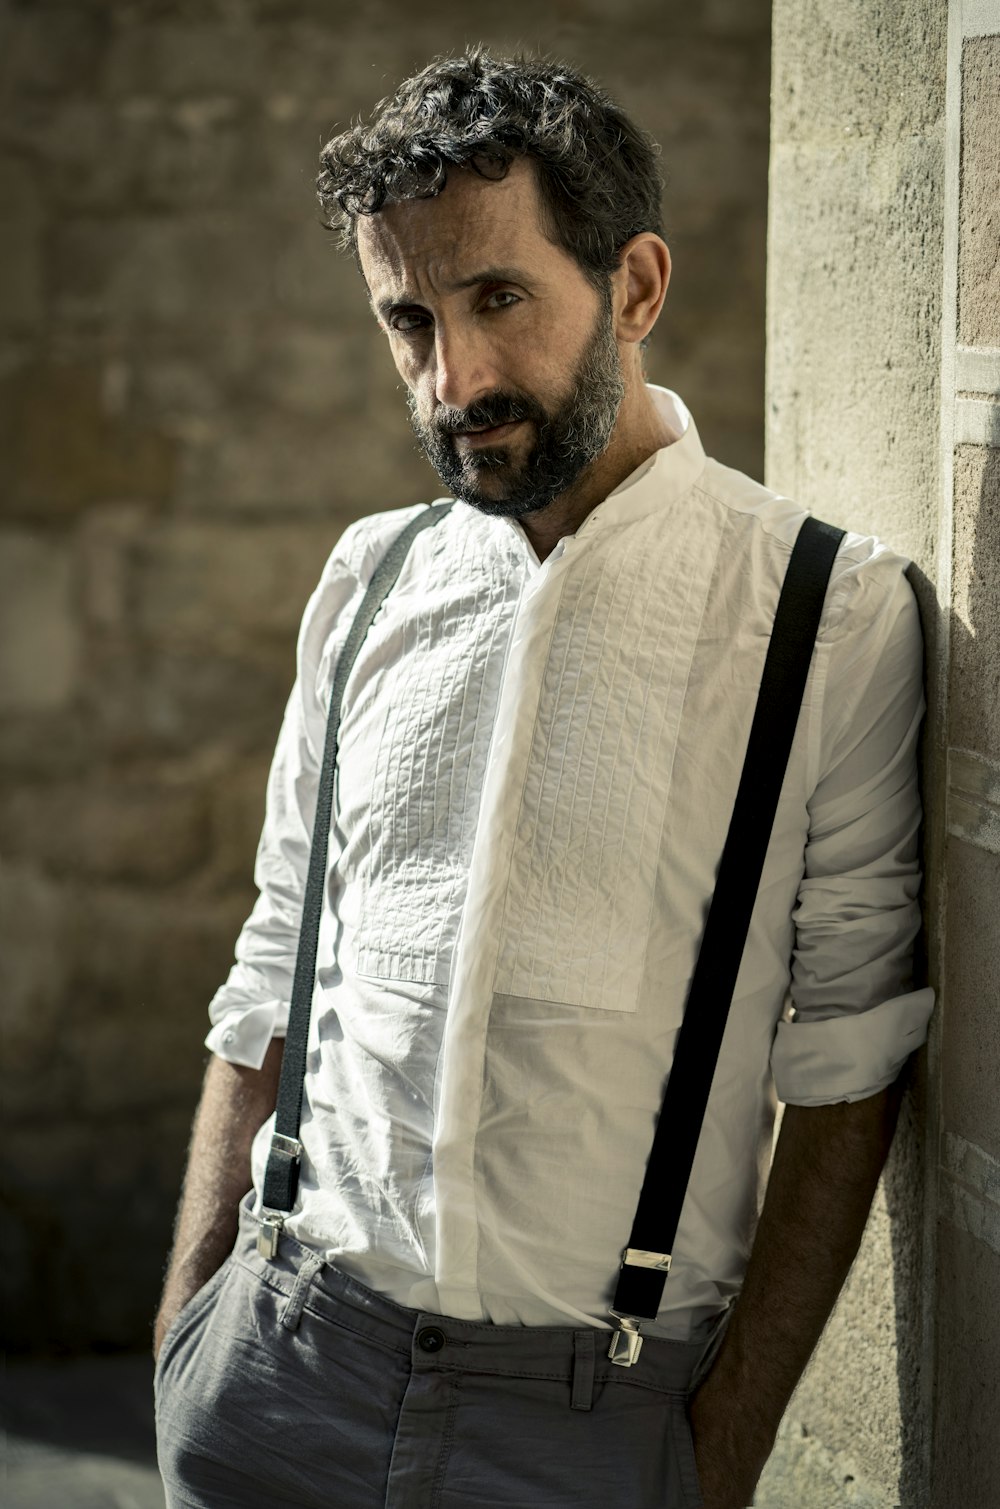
487 412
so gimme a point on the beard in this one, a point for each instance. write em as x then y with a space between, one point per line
569 438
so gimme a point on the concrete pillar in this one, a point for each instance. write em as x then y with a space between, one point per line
884 415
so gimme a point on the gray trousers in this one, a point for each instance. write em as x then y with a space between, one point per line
287 1383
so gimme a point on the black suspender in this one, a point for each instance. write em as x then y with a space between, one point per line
646 1259
281 1177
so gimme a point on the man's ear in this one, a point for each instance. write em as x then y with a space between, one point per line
641 286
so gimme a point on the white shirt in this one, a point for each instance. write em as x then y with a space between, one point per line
537 768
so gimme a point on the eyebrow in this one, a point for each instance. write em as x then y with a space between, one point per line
386 307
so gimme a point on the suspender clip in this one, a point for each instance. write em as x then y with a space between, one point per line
626 1343
638 1257
290 1147
271 1222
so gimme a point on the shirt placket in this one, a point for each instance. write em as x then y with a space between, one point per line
460 1088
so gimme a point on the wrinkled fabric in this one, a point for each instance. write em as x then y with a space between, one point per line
288 1383
538 763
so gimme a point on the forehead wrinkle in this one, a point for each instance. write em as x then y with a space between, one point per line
474 222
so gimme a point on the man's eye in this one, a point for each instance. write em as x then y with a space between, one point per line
510 299
406 322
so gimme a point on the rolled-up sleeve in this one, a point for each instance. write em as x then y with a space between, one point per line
252 1006
855 1016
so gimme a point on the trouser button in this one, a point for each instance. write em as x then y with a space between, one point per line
430 1339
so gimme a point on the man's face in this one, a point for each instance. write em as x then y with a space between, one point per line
508 352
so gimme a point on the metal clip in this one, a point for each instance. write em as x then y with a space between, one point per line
291 1147
271 1222
638 1257
626 1343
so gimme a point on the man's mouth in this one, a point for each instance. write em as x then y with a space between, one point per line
487 434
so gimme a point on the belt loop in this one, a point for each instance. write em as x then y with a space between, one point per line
582 1396
291 1310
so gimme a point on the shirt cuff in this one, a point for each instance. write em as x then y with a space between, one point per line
848 1057
242 1037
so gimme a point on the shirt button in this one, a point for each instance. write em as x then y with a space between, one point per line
430 1339
229 1037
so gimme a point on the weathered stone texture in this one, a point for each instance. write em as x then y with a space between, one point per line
853 421
66 447
856 245
971 1009
194 402
979 212
974 690
853 1416
39 632
133 826
967 1442
21 296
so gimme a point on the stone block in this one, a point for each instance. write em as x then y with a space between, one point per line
136 155
979 201
55 49
219 587
314 279
163 700
38 972
736 18
195 156
83 152
974 690
237 816
21 297
333 466
200 267
352 62
315 370
871 395
186 56
970 1018
279 158
182 387
967 1443
106 541
126 825
67 447
114 1022
39 630
844 71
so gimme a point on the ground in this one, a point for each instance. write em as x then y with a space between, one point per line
79 1435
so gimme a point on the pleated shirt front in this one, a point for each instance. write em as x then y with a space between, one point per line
538 763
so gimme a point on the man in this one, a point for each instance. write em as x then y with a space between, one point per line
541 741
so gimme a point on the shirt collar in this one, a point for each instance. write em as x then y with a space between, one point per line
664 477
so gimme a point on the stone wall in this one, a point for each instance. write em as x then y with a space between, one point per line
194 403
884 414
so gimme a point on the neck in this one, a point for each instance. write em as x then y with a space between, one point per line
640 430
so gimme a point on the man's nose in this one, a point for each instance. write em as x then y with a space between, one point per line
464 369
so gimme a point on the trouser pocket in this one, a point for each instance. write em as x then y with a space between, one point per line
187 1318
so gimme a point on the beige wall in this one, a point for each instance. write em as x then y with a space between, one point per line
884 414
193 402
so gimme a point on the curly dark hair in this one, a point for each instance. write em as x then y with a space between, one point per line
598 173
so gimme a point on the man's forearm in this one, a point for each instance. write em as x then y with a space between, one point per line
235 1102
823 1177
